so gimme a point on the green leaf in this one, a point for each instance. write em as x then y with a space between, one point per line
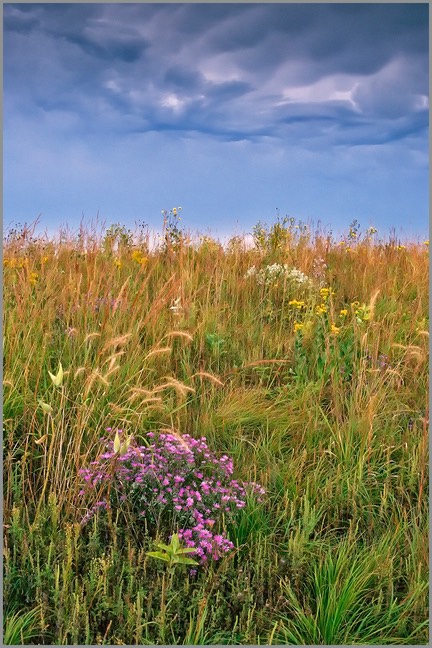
167 548
159 555
187 550
186 561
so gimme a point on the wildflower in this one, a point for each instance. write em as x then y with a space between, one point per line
326 293
33 278
298 327
335 329
166 479
322 308
138 257
425 242
296 304
401 247
344 312
251 272
117 263
44 259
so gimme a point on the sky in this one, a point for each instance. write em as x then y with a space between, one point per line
235 112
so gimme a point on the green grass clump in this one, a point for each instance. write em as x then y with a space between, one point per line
310 371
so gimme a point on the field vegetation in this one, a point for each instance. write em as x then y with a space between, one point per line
208 444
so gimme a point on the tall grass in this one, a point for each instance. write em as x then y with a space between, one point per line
324 404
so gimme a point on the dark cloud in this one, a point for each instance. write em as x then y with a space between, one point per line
183 78
240 71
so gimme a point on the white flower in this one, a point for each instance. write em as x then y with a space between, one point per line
272 273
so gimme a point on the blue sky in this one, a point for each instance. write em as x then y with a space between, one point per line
232 111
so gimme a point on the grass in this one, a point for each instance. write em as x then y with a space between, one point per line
323 403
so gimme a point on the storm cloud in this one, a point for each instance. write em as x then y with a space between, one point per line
240 70
318 77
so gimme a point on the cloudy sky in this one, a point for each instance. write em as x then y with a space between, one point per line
232 111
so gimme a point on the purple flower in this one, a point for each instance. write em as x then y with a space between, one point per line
164 483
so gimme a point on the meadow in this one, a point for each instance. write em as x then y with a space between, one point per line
209 444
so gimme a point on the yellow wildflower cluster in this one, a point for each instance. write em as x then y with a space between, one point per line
425 242
117 263
298 327
326 293
322 308
335 329
139 257
296 304
44 260
15 263
344 312
33 278
401 247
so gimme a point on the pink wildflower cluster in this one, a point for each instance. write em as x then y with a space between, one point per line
176 481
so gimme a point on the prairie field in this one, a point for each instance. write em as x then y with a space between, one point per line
215 444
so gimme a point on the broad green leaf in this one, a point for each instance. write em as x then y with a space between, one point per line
159 555
165 547
187 550
187 561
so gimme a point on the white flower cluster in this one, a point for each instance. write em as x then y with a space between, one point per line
270 274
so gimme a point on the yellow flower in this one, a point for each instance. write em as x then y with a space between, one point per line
322 308
344 312
401 247
21 262
296 304
6 263
335 329
33 278
44 259
355 304
326 293
117 263
348 249
425 242
298 327
138 257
